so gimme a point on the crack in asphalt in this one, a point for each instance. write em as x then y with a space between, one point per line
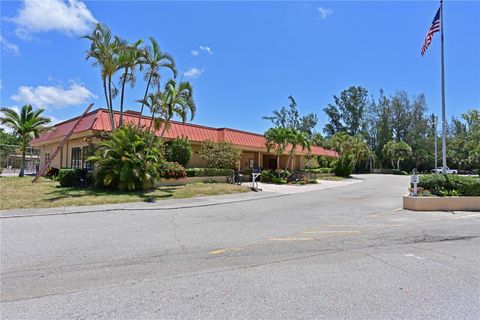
428 239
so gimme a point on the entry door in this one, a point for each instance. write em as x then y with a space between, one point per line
272 163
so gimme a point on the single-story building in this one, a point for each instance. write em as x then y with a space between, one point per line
78 147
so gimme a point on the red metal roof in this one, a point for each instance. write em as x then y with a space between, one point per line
98 120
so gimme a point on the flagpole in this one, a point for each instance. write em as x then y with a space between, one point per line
444 121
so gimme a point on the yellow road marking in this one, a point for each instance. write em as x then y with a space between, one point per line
219 251
291 239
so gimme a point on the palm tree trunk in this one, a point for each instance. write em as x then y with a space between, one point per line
393 164
165 124
22 163
151 121
286 167
107 101
144 97
121 98
112 119
278 166
398 164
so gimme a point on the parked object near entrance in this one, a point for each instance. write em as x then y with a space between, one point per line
447 171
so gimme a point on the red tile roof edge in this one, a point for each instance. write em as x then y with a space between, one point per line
131 113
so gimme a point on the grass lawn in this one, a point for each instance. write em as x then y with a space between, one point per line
21 193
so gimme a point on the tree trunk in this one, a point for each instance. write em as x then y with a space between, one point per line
286 167
393 164
278 166
167 121
151 121
110 112
22 163
144 97
112 119
120 124
398 164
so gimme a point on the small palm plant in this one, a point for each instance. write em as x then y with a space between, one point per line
125 161
277 140
296 139
27 125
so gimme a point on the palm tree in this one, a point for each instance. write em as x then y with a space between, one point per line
26 125
102 47
154 59
277 139
129 56
296 138
174 100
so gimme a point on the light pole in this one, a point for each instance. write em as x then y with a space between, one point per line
434 124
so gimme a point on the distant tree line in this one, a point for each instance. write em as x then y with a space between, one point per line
387 131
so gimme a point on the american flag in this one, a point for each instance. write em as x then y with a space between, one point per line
435 27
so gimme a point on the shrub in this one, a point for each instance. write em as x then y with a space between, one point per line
445 184
267 176
172 170
178 150
219 155
208 172
310 162
399 172
277 180
52 172
342 169
128 158
72 177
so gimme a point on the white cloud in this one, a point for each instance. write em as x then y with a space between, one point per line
9 47
193 73
71 17
49 96
324 12
204 49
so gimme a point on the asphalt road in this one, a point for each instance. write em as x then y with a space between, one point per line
344 253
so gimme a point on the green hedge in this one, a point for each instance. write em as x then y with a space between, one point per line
72 177
208 172
441 184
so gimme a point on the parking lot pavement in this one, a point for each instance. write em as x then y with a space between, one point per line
340 253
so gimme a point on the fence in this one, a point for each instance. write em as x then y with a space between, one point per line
11 158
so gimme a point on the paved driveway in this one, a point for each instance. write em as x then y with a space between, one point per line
344 253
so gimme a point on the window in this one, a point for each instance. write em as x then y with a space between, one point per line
47 157
87 152
76 158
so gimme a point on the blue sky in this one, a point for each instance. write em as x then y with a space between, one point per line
245 59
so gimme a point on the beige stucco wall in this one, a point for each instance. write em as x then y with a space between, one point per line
63 159
441 203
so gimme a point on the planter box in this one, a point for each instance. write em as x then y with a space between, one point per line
187 180
441 203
